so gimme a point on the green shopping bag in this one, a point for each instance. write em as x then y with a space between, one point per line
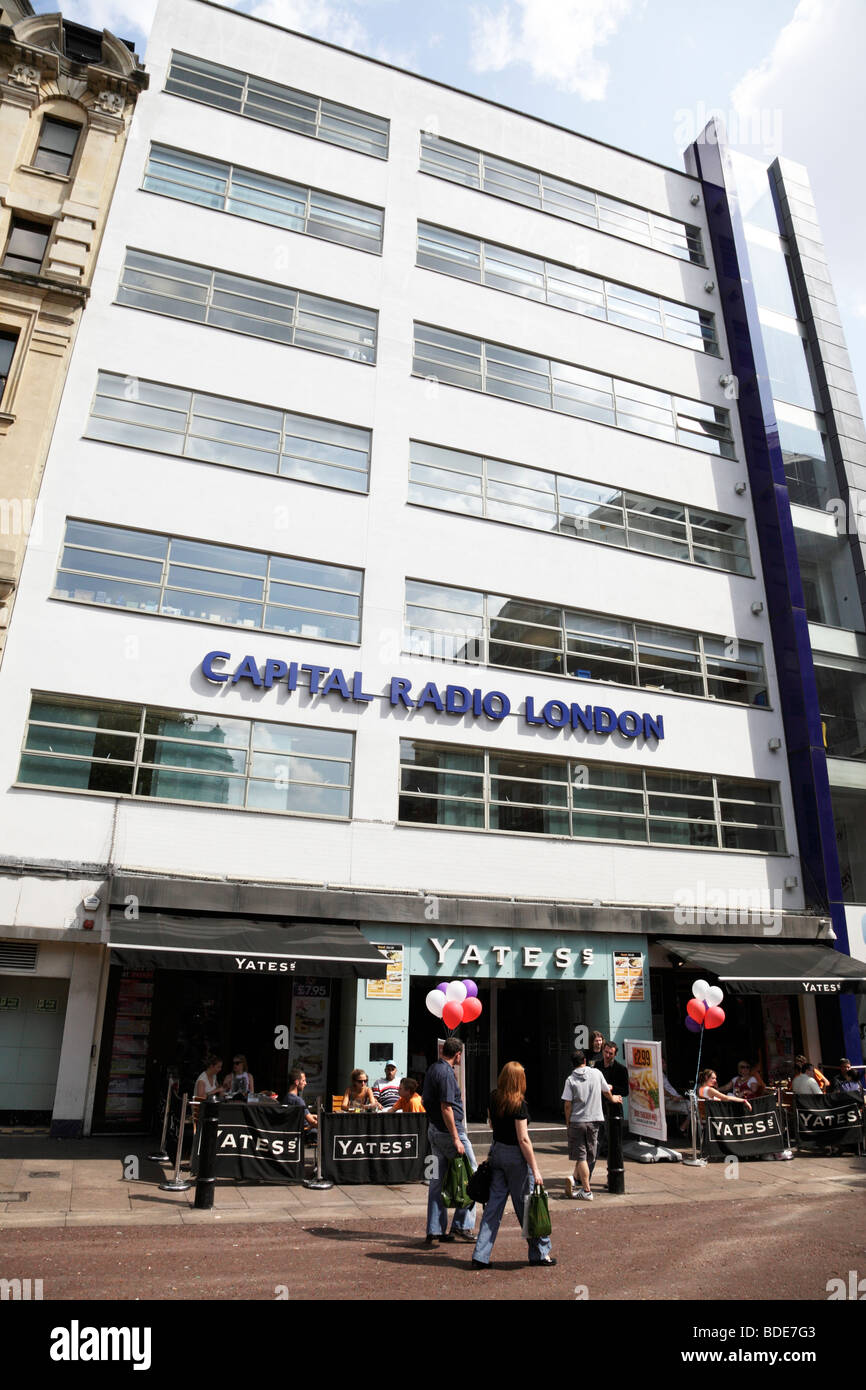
454 1193
536 1216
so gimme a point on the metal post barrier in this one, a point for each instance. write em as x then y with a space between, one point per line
206 1174
693 1161
319 1183
615 1168
177 1183
162 1156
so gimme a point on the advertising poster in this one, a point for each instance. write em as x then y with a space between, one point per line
627 977
311 1015
392 985
646 1099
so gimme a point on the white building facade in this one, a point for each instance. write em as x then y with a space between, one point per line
395 575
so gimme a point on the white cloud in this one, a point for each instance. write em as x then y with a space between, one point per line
557 39
813 76
118 16
338 23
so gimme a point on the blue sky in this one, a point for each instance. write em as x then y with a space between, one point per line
642 74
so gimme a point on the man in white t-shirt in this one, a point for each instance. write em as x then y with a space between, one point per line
583 1115
805 1083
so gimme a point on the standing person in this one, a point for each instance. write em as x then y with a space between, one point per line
583 1114
446 1130
387 1088
595 1051
514 1165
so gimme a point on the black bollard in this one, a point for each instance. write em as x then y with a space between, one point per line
615 1169
205 1179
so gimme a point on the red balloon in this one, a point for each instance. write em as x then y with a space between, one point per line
697 1009
452 1014
715 1017
471 1009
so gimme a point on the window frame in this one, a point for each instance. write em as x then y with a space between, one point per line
51 119
137 763
164 586
12 336
288 416
17 223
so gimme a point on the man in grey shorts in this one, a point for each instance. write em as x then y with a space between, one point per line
583 1115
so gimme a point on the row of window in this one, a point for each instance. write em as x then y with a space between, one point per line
478 789
178 755
144 572
570 390
565 287
213 183
254 307
192 424
258 308
475 485
233 90
263 439
216 184
519 184
451 624
212 759
208 583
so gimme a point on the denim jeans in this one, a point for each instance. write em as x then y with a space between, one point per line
511 1174
443 1148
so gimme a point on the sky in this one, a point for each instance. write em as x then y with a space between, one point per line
786 75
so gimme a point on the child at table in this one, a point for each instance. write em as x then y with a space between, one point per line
409 1101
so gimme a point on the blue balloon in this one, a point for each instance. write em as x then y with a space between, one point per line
692 1026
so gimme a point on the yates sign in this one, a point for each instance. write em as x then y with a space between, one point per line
454 700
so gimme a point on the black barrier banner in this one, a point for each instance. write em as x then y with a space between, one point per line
829 1119
371 1148
260 1141
732 1129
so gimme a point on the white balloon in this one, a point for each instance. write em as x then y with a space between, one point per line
700 989
456 992
714 995
436 1002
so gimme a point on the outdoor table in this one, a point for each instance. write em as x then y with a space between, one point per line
373 1147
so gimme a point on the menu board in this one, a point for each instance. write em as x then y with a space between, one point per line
125 1096
627 977
311 1016
391 987
646 1095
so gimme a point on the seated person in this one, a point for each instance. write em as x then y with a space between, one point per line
358 1094
294 1096
708 1089
848 1082
747 1084
408 1100
823 1083
239 1083
805 1083
207 1085
386 1089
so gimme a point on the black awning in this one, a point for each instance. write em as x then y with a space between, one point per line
244 946
783 967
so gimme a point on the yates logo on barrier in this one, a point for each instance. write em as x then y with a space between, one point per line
821 1120
260 1144
760 1127
366 1146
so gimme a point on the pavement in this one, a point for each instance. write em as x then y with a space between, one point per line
110 1182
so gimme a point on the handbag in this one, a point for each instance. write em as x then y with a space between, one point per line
536 1215
454 1186
480 1183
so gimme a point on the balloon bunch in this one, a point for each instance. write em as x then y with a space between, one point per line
703 1008
455 1002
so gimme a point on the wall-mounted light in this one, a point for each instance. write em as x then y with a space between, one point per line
726 379
792 882
757 607
709 286
739 488
91 904
774 744
695 199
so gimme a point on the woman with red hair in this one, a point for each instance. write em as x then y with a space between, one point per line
515 1169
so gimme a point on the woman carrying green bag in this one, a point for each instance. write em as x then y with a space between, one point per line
515 1170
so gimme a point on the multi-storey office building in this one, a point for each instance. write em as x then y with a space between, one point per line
398 582
67 97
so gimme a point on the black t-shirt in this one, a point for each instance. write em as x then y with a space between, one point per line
504 1128
616 1076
